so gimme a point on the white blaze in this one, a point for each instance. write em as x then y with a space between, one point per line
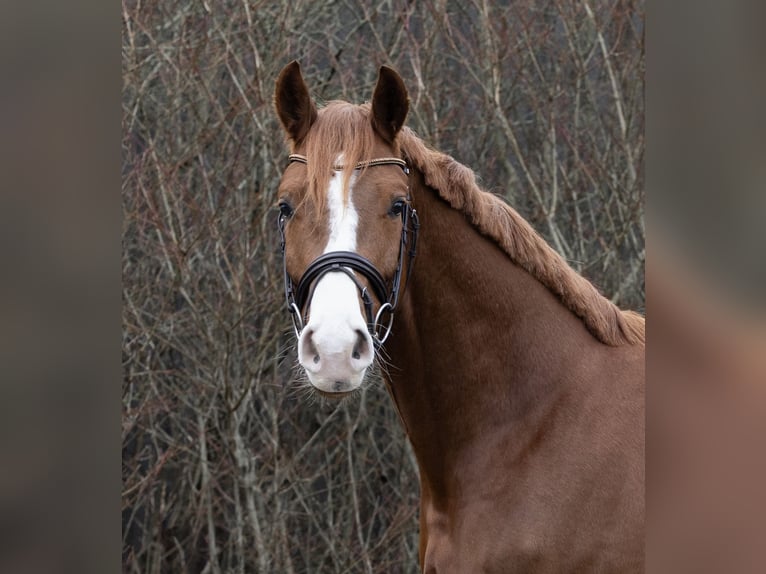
335 348
343 222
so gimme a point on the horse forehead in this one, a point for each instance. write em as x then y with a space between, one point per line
337 197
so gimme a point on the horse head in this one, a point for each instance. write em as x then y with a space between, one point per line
347 226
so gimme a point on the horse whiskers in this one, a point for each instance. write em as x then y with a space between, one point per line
299 386
383 361
381 367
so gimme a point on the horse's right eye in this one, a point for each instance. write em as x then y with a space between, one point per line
285 209
397 207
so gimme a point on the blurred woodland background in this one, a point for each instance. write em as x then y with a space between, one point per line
227 464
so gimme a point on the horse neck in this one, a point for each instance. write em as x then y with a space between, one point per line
478 343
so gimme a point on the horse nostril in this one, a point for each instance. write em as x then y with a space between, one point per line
361 348
308 350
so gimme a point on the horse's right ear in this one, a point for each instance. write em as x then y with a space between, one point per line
295 108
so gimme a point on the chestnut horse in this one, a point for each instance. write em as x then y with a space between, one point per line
520 387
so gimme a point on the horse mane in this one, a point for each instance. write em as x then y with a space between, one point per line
456 184
343 128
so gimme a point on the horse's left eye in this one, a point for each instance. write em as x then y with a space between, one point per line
397 207
285 209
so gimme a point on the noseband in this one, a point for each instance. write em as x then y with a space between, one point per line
347 262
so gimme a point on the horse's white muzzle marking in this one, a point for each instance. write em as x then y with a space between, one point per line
335 348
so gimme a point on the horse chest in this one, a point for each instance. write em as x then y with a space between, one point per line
492 537
487 553
477 538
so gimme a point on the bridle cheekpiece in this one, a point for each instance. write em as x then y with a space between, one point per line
348 262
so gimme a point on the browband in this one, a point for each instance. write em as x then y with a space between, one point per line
361 165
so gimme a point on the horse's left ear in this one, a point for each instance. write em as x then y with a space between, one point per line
390 104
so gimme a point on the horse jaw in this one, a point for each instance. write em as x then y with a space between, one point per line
335 348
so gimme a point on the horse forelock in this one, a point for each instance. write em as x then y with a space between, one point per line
342 130
456 184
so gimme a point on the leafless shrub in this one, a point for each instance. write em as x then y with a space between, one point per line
228 465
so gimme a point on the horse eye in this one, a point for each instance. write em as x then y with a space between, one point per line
285 209
397 207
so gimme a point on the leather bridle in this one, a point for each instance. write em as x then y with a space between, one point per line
347 262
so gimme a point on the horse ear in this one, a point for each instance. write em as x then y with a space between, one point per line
390 104
295 108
